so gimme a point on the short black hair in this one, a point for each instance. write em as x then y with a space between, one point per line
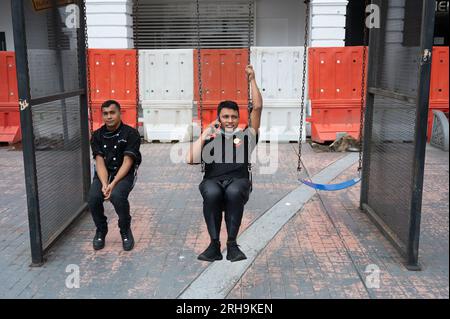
227 105
109 103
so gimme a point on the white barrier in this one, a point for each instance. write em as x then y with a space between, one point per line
279 77
167 121
280 121
166 75
166 83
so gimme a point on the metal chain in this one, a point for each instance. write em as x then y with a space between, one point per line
249 43
363 91
200 84
136 44
302 104
249 99
88 70
80 33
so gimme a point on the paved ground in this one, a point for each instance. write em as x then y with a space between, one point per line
325 249
320 253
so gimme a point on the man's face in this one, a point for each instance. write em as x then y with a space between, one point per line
229 119
111 116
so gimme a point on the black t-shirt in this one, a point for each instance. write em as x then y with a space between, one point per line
228 157
113 146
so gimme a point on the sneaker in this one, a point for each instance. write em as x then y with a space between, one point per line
234 253
211 253
127 239
99 239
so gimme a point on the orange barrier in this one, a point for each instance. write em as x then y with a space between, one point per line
328 120
335 85
335 91
113 76
223 78
10 125
335 73
438 84
9 104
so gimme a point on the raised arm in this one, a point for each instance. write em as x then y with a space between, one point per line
257 100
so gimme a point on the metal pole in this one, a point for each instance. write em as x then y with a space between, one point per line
427 33
84 117
368 114
26 124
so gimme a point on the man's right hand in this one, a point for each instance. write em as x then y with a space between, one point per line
105 190
211 130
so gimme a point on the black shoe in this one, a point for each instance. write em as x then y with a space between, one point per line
234 253
99 239
211 253
127 239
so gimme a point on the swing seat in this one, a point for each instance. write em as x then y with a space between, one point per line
331 187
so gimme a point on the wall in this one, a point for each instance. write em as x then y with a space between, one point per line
280 23
6 23
110 25
328 23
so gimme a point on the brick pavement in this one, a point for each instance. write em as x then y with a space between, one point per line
317 255
170 232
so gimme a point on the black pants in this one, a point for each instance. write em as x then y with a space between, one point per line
119 199
229 195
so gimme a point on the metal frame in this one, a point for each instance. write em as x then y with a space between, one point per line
26 122
426 41
84 114
411 250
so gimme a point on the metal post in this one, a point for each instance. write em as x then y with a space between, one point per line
26 124
368 115
427 33
84 125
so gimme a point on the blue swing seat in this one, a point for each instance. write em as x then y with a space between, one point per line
331 187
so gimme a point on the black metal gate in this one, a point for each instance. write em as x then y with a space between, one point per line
50 57
396 121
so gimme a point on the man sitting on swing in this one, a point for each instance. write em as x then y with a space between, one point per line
115 148
225 151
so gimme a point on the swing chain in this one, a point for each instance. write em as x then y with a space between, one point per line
302 105
250 101
88 71
363 91
136 48
200 83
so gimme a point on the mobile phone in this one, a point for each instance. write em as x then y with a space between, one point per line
217 124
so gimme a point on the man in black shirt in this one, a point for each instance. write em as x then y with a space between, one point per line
115 148
226 186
